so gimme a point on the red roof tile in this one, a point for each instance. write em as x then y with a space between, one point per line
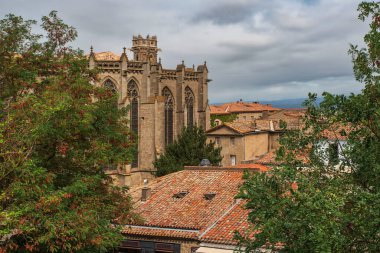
192 211
270 159
255 166
223 231
239 106
241 126
335 132
193 216
244 127
161 232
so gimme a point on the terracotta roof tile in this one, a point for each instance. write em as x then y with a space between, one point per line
241 126
192 211
254 166
244 127
161 232
223 231
270 159
335 132
239 106
192 216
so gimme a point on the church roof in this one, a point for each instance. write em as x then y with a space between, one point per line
106 56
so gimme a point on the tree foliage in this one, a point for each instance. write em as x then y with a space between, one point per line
326 207
188 150
224 118
57 133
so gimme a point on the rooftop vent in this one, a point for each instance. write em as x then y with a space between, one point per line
205 162
209 195
145 191
180 195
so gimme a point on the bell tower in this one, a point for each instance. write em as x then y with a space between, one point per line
145 49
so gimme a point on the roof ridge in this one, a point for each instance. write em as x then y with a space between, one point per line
220 218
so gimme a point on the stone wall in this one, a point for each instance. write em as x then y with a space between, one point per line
150 79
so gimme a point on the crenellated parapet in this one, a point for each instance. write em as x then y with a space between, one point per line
135 67
170 74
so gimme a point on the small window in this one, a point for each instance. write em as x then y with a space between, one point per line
244 118
217 140
232 140
333 152
233 160
252 118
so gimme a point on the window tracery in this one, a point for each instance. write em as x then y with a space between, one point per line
133 94
169 107
108 84
189 103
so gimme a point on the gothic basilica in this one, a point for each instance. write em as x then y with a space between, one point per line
162 101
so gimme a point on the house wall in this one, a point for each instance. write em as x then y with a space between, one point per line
249 116
274 140
246 147
185 246
256 145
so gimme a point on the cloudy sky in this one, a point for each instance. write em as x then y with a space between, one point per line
255 49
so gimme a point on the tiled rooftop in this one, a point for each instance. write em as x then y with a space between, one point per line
270 159
240 106
223 231
146 231
178 207
250 166
192 211
335 132
242 126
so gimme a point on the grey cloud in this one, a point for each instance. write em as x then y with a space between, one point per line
254 49
226 12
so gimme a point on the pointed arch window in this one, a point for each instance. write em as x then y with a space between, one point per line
133 94
189 103
169 107
108 84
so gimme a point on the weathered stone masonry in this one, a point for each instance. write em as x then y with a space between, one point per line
162 101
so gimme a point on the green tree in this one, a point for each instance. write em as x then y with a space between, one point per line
224 118
57 133
188 150
326 207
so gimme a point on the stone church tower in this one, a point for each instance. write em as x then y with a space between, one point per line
161 101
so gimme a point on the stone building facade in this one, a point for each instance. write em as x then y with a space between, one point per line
161 101
244 141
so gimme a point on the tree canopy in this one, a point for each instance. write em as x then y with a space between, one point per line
322 206
188 150
57 133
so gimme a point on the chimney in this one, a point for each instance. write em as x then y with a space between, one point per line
271 126
145 192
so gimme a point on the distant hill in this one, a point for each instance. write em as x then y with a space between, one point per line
283 103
